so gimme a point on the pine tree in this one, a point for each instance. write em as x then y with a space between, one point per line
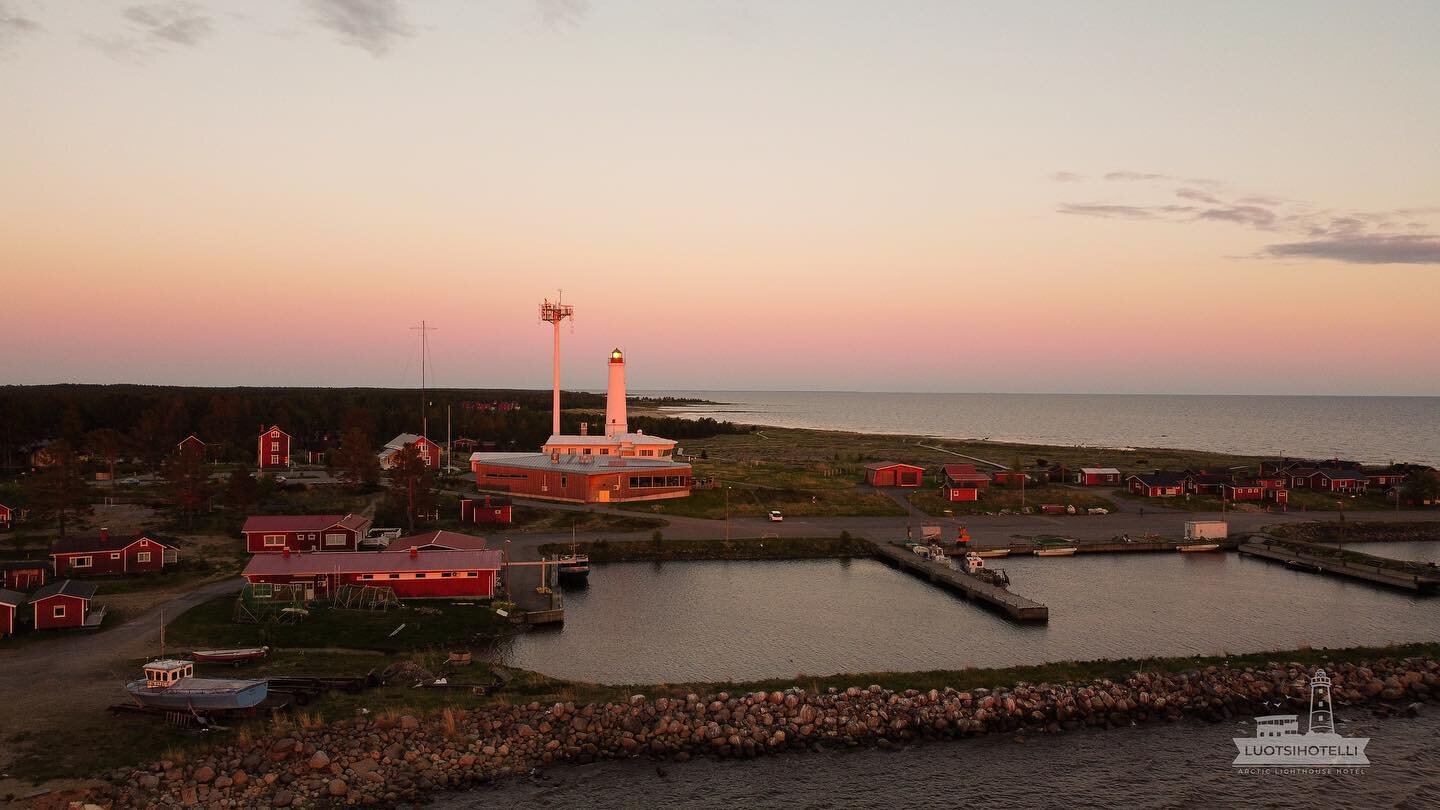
189 483
412 485
58 492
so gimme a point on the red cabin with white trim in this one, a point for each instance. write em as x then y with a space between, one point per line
62 604
10 602
413 574
277 533
7 517
106 554
1098 477
273 449
190 444
24 575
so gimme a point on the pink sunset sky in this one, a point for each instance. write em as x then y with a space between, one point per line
918 196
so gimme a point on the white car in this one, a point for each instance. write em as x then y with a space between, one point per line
775 516
129 481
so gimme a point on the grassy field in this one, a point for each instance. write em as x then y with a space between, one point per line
212 625
787 548
756 487
995 499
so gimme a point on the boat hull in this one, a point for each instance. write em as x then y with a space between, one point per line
1198 547
1055 552
228 656
994 552
201 694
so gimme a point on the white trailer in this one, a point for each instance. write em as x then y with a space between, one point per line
1206 530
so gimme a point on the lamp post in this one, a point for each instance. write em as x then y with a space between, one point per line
1341 504
727 514
508 592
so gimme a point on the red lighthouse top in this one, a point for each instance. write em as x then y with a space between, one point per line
617 356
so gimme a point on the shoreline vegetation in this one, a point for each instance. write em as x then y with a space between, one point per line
394 756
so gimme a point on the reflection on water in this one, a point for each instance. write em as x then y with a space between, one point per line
1417 550
675 622
1172 766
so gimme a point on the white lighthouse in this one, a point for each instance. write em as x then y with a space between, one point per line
616 423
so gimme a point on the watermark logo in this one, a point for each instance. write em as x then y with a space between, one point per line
1278 744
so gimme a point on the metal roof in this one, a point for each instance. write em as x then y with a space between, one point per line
11 598
302 523
454 541
319 563
576 463
68 587
603 440
1099 471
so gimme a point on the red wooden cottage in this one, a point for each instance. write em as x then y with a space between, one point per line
61 604
1009 478
1204 483
438 541
962 482
1384 479
1244 491
273 449
429 451
10 602
1299 477
1347 482
190 444
276 533
488 509
24 575
1158 484
7 517
107 554
893 474
1098 477
414 574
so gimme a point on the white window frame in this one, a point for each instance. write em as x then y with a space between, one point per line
340 536
115 555
266 541
274 458
57 612
142 557
262 590
274 447
82 562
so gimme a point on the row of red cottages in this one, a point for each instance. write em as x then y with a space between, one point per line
61 604
962 482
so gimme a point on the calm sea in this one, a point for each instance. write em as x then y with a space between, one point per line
1370 429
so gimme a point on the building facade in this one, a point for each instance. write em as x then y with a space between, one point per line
107 554
581 478
273 449
273 534
414 574
62 604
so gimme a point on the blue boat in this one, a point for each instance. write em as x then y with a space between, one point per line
171 684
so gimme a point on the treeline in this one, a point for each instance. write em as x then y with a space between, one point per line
150 420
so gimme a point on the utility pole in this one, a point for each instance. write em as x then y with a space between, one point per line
424 331
727 514
553 314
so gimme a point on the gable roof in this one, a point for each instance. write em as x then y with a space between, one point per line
302 523
441 540
369 562
964 473
1211 478
22 565
66 587
1099 471
1160 479
97 543
881 465
11 598
271 429
1343 475
404 439
188 438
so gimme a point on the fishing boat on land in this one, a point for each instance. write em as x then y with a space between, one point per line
1198 547
171 684
238 656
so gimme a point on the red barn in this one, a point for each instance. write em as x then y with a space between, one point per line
893 474
61 604
429 451
489 509
1098 476
414 574
106 554
10 602
7 516
24 575
190 444
273 449
275 533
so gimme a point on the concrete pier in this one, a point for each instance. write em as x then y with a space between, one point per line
1013 605
1411 576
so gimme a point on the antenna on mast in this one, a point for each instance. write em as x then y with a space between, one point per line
553 314
424 331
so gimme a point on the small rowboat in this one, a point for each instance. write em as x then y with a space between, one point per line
229 656
1055 551
992 552
1198 547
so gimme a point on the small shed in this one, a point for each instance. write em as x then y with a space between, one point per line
1009 478
487 509
190 445
894 474
24 575
1097 476
63 603
10 602
7 517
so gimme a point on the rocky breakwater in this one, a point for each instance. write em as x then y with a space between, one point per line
392 760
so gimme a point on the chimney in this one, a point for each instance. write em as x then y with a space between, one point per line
584 428
555 457
414 552
104 533
285 552
487 500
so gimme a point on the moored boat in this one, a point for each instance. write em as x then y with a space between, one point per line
1198 547
171 684
1055 551
229 656
992 552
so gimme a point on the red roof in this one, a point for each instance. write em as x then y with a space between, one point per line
881 465
302 523
450 540
964 473
89 545
370 562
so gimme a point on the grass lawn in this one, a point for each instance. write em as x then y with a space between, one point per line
795 492
212 624
1308 500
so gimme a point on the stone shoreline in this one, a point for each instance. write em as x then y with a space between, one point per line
386 761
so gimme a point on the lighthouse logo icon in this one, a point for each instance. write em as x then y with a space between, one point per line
1278 742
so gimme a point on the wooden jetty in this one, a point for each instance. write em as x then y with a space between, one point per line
1013 605
1324 558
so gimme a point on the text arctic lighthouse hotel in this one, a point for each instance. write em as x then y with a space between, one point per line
612 466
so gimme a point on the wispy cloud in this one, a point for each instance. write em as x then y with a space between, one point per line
561 13
1067 177
372 25
176 23
1401 236
1364 249
14 27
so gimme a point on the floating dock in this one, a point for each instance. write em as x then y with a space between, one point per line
1013 605
1323 558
